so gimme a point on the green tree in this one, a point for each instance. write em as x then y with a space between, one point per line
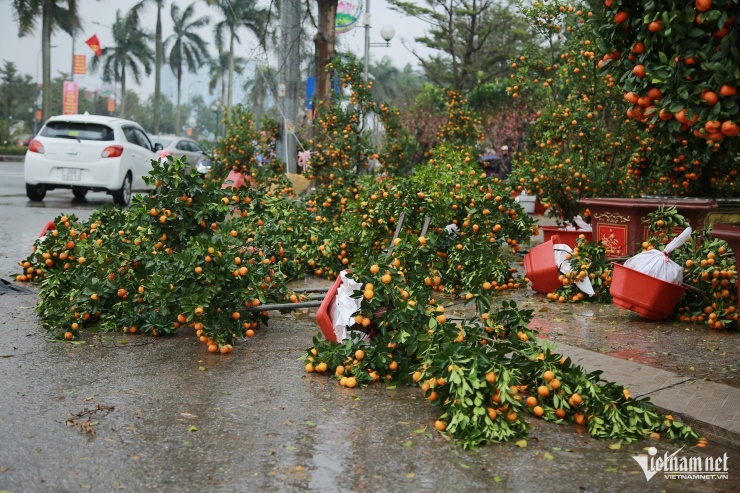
17 94
54 14
218 71
188 49
475 39
158 57
131 51
260 87
392 85
238 13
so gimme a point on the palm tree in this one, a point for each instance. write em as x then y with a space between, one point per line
218 71
238 13
130 51
260 87
53 16
187 47
158 56
385 76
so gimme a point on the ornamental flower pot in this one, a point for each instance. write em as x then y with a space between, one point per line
567 236
527 202
648 296
619 224
325 315
731 234
540 267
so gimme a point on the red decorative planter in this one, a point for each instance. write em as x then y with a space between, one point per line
540 267
50 226
645 295
567 237
324 315
237 180
618 223
731 234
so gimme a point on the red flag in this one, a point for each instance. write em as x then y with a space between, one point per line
94 44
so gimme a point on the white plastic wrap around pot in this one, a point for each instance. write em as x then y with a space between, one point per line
344 306
561 252
658 264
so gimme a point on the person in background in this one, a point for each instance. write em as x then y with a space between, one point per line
490 162
505 166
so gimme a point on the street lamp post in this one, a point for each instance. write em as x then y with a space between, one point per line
387 32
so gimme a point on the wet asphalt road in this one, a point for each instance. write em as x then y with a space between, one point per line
169 416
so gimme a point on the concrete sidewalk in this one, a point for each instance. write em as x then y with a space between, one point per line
712 409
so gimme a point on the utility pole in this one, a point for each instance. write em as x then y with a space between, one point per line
289 88
367 21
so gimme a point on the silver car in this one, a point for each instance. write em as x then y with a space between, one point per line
183 147
89 152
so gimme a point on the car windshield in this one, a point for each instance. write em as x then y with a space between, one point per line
77 130
164 142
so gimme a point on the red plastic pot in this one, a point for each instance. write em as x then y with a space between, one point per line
568 237
540 267
731 234
645 295
323 314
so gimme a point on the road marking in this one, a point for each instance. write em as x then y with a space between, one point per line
12 174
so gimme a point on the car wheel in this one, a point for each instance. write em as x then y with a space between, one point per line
36 192
79 193
122 196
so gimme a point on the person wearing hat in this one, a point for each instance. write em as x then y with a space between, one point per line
505 167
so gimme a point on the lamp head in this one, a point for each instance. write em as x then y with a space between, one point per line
387 32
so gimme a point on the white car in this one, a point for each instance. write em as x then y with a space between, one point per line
184 148
89 152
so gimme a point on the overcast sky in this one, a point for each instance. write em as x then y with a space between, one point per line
25 51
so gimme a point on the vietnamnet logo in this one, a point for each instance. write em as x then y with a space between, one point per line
674 467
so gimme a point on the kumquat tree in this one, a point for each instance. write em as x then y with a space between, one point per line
678 64
578 145
195 254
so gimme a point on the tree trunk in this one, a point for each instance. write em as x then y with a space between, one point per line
46 62
158 56
122 109
177 113
231 73
324 45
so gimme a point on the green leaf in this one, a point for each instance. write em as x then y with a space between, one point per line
521 443
497 479
616 446
192 428
310 423
290 448
408 443
548 456
464 466
202 368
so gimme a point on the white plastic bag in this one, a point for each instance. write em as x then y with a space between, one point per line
657 263
344 306
581 225
561 252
